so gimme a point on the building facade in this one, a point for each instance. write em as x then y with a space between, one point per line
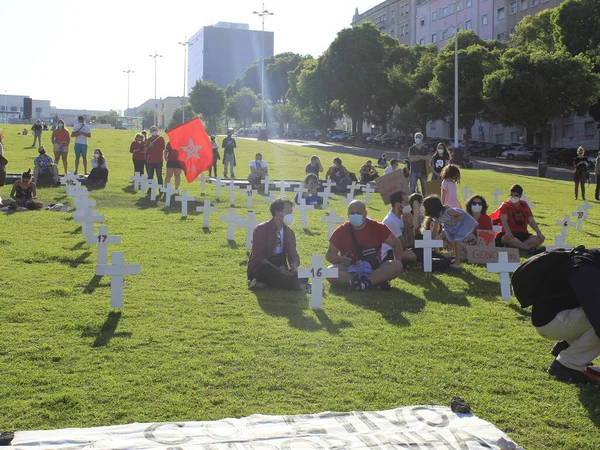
393 17
219 54
12 109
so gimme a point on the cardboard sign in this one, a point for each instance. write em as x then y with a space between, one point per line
486 238
434 187
392 182
478 254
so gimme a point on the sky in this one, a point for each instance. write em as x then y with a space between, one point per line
74 53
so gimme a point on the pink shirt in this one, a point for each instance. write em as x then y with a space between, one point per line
451 197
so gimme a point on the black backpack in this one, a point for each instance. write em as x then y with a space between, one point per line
545 276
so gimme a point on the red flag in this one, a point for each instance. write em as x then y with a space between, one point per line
193 146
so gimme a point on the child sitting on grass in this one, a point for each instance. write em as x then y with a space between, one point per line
456 224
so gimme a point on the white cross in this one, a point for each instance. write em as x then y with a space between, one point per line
466 192
231 220
206 210
76 189
580 215
559 242
267 183
497 194
270 198
81 200
102 240
144 182
348 199
503 267
154 187
527 200
249 194
332 220
325 195
137 180
117 270
328 184
69 180
317 272
565 223
427 244
300 191
88 220
303 207
282 185
169 191
367 190
184 198
586 206
231 187
218 184
353 187
202 180
249 224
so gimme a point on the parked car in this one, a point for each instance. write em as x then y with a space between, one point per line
340 137
561 155
379 139
523 153
516 144
591 157
391 141
332 133
493 151
478 148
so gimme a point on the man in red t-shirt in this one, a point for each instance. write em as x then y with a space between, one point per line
358 259
514 216
155 147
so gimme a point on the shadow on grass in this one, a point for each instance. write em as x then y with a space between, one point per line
146 203
129 189
588 395
232 244
309 233
93 284
391 304
41 258
294 305
107 331
78 245
526 315
436 290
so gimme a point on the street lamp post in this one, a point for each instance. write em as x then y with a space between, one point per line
128 72
185 44
155 56
456 74
262 14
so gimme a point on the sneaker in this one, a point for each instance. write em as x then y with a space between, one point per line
537 250
566 374
255 284
455 266
592 372
385 286
559 347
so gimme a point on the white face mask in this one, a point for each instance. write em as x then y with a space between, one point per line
515 199
96 155
288 219
476 208
154 133
440 151
406 209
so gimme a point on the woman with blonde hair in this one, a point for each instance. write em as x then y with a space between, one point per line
60 143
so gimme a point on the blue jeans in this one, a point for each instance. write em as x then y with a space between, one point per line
155 167
414 176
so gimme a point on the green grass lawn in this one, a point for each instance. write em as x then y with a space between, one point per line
192 343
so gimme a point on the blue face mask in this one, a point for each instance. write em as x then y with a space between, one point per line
356 220
417 140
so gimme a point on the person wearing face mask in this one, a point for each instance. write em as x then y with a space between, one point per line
368 173
138 153
99 175
355 250
155 147
477 207
338 173
395 221
418 155
81 132
60 143
515 215
216 155
311 197
274 260
258 171
394 165
229 145
439 160
580 173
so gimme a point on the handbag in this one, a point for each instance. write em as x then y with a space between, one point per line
3 160
367 254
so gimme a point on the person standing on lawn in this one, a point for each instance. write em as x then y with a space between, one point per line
81 132
229 146
155 147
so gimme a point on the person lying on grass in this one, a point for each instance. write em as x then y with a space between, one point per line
355 249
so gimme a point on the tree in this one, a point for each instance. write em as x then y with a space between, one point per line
535 32
177 118
148 118
109 118
354 59
241 105
208 100
286 113
531 88
476 58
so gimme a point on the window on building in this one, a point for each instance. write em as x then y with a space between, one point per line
534 3
433 38
569 130
544 1
444 11
468 3
500 14
407 10
434 16
514 136
459 5
393 33
523 5
13 109
432 125
459 26
513 7
421 41
406 29
39 110
500 138
445 33
484 19
468 24
501 37
422 21
2 108
590 128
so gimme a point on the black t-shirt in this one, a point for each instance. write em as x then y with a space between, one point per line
580 163
228 144
36 127
438 163
312 169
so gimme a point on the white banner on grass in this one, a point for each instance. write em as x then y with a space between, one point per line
411 427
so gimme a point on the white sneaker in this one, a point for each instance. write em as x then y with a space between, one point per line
255 284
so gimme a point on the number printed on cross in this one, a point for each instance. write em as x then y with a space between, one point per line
102 237
579 215
319 272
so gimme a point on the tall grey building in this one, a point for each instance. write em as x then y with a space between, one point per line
393 17
219 54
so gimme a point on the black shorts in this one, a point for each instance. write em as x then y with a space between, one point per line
520 235
173 165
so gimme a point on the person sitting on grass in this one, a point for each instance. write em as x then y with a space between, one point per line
339 174
382 161
456 224
368 173
355 250
394 165
258 171
98 177
311 184
514 215
314 166
24 193
274 260
395 221
44 165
